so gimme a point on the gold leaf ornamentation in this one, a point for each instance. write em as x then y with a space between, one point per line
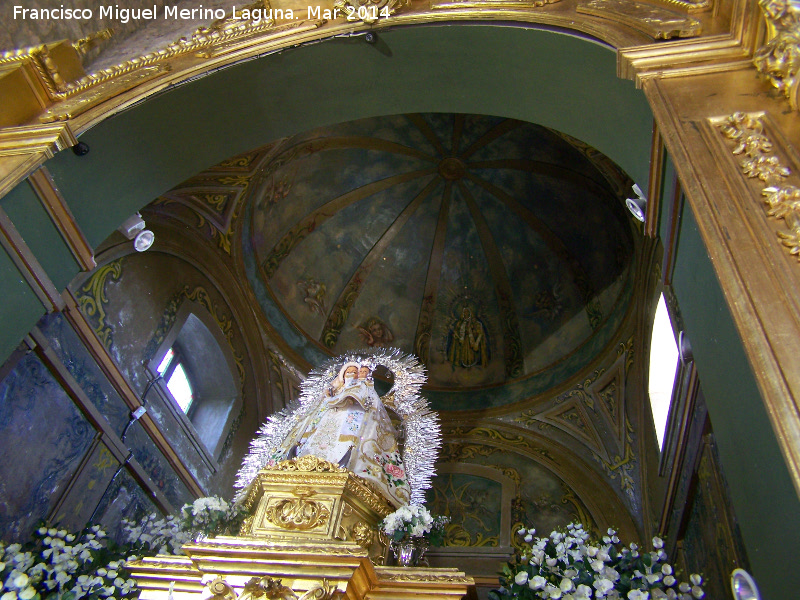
268 588
505 4
325 591
656 21
369 11
427 578
363 535
779 57
298 513
220 590
758 161
308 463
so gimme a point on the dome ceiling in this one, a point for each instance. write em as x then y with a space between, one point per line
491 248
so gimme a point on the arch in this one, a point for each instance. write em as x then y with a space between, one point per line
147 149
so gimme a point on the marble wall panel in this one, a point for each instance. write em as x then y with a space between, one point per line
43 438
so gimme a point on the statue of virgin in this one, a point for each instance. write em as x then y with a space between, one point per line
343 420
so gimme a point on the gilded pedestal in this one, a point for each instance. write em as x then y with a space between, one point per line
315 501
311 535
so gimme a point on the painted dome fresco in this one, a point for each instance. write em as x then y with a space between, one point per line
494 249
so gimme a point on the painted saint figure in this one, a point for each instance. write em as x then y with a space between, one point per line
352 428
467 345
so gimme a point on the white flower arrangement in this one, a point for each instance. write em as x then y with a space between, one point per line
211 515
58 565
569 565
156 535
411 521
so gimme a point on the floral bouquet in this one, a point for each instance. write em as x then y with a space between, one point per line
571 566
156 535
411 521
211 515
437 533
58 565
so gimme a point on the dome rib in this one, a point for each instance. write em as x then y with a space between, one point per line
341 309
512 343
553 242
312 221
428 132
422 338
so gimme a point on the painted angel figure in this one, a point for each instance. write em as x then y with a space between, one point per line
343 420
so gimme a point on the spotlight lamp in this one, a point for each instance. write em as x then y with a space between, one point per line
638 205
743 586
144 240
133 229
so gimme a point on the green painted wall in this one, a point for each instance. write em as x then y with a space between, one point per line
42 237
20 308
763 496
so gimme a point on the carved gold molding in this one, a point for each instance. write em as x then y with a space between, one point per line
278 546
369 11
758 160
421 575
308 464
33 139
218 33
688 6
779 57
220 589
57 64
657 22
267 588
520 4
101 88
298 513
313 501
362 534
313 573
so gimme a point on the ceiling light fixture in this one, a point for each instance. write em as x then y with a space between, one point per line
133 229
743 586
638 205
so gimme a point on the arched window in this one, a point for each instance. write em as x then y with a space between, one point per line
199 378
663 368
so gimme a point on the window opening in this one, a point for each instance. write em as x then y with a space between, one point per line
166 361
172 370
663 366
180 388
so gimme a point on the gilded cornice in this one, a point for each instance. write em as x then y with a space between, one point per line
42 139
91 98
657 22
